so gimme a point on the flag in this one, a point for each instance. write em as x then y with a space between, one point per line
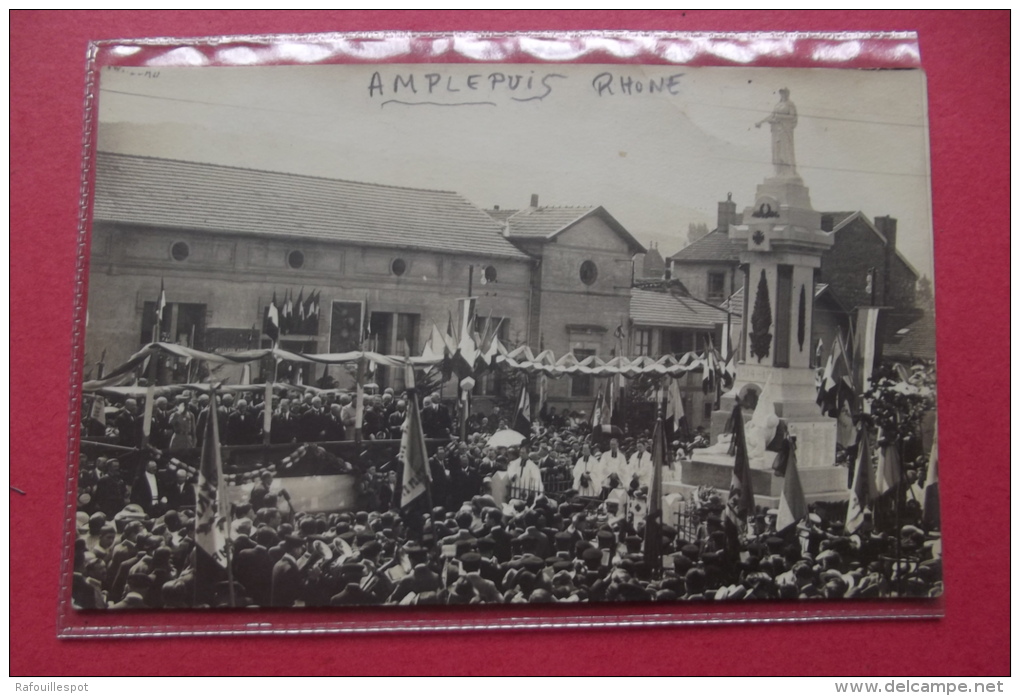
931 486
596 411
862 491
267 411
889 469
867 349
413 454
359 399
653 519
160 306
522 418
607 404
299 312
543 387
98 412
435 346
287 315
674 403
792 503
212 511
467 350
246 374
150 401
271 323
741 500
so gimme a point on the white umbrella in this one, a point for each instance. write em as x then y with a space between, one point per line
506 438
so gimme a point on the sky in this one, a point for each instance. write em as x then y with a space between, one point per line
657 146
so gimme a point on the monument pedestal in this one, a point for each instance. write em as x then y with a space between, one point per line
783 245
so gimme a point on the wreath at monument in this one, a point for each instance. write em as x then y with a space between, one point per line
761 321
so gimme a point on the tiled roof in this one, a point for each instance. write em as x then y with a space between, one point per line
735 303
916 340
713 247
192 195
654 308
546 222
543 222
841 219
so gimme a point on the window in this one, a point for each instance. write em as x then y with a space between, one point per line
708 410
582 385
388 333
716 288
589 272
296 259
345 327
678 342
398 267
488 275
180 251
183 324
643 341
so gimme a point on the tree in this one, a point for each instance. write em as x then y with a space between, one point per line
695 231
925 296
761 321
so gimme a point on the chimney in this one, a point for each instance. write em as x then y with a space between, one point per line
887 226
727 213
495 207
534 200
828 222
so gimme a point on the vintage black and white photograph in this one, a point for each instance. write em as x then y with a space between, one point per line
451 334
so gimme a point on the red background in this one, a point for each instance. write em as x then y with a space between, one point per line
966 56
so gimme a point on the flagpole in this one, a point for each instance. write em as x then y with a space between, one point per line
221 493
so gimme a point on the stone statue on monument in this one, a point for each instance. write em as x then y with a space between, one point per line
783 120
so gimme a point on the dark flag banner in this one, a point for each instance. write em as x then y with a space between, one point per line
741 500
653 521
212 515
862 493
522 419
792 503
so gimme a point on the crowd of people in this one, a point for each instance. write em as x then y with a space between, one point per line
559 517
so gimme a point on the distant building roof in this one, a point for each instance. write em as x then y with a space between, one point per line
673 310
653 265
713 247
193 195
735 303
546 222
913 341
840 220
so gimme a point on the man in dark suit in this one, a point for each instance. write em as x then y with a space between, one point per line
129 425
243 426
150 491
287 574
284 426
181 493
313 423
335 425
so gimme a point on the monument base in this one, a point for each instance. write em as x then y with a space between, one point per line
826 483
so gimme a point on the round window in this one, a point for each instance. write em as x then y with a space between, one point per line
489 274
296 259
399 267
180 251
589 272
